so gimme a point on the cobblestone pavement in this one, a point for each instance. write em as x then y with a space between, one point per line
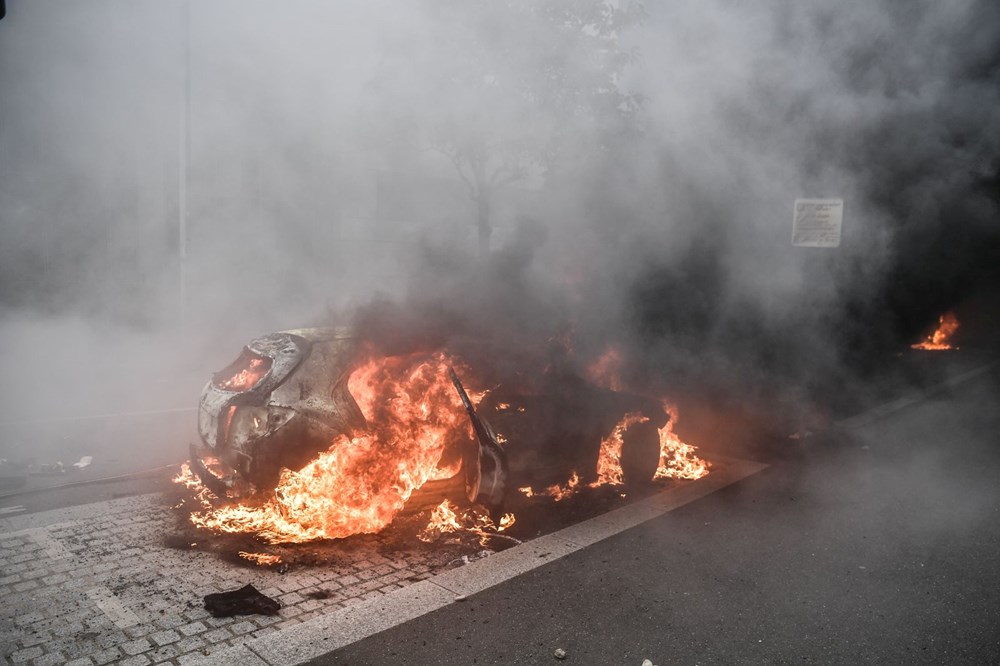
96 585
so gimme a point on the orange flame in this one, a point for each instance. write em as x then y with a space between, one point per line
249 374
443 520
609 461
561 492
939 339
361 483
261 559
677 459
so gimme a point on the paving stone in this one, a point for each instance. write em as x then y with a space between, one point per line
163 653
290 599
137 660
82 661
35 574
165 637
170 621
216 635
106 656
136 647
243 627
192 628
117 550
290 611
189 644
366 574
49 659
311 605
138 630
22 656
35 638
111 639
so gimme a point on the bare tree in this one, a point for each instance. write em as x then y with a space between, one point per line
507 88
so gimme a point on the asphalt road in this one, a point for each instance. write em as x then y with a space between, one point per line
878 545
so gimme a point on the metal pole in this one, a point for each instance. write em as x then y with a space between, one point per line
184 146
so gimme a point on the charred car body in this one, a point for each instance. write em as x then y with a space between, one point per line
286 398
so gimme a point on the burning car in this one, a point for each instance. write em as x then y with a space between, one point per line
287 397
345 437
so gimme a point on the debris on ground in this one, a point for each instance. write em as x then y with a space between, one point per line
47 468
84 462
559 653
247 600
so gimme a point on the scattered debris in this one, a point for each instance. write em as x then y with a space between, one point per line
84 462
559 653
48 468
647 662
247 600
466 559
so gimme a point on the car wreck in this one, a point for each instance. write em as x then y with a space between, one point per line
292 397
286 398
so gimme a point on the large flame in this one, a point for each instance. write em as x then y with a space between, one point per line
939 339
677 459
361 483
609 461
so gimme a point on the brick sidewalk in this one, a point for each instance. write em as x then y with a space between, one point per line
97 585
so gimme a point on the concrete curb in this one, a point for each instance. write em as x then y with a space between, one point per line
327 633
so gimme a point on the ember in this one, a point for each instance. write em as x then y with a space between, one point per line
939 339
260 559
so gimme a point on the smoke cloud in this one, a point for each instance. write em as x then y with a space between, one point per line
176 178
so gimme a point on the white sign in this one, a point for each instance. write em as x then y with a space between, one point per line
817 222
